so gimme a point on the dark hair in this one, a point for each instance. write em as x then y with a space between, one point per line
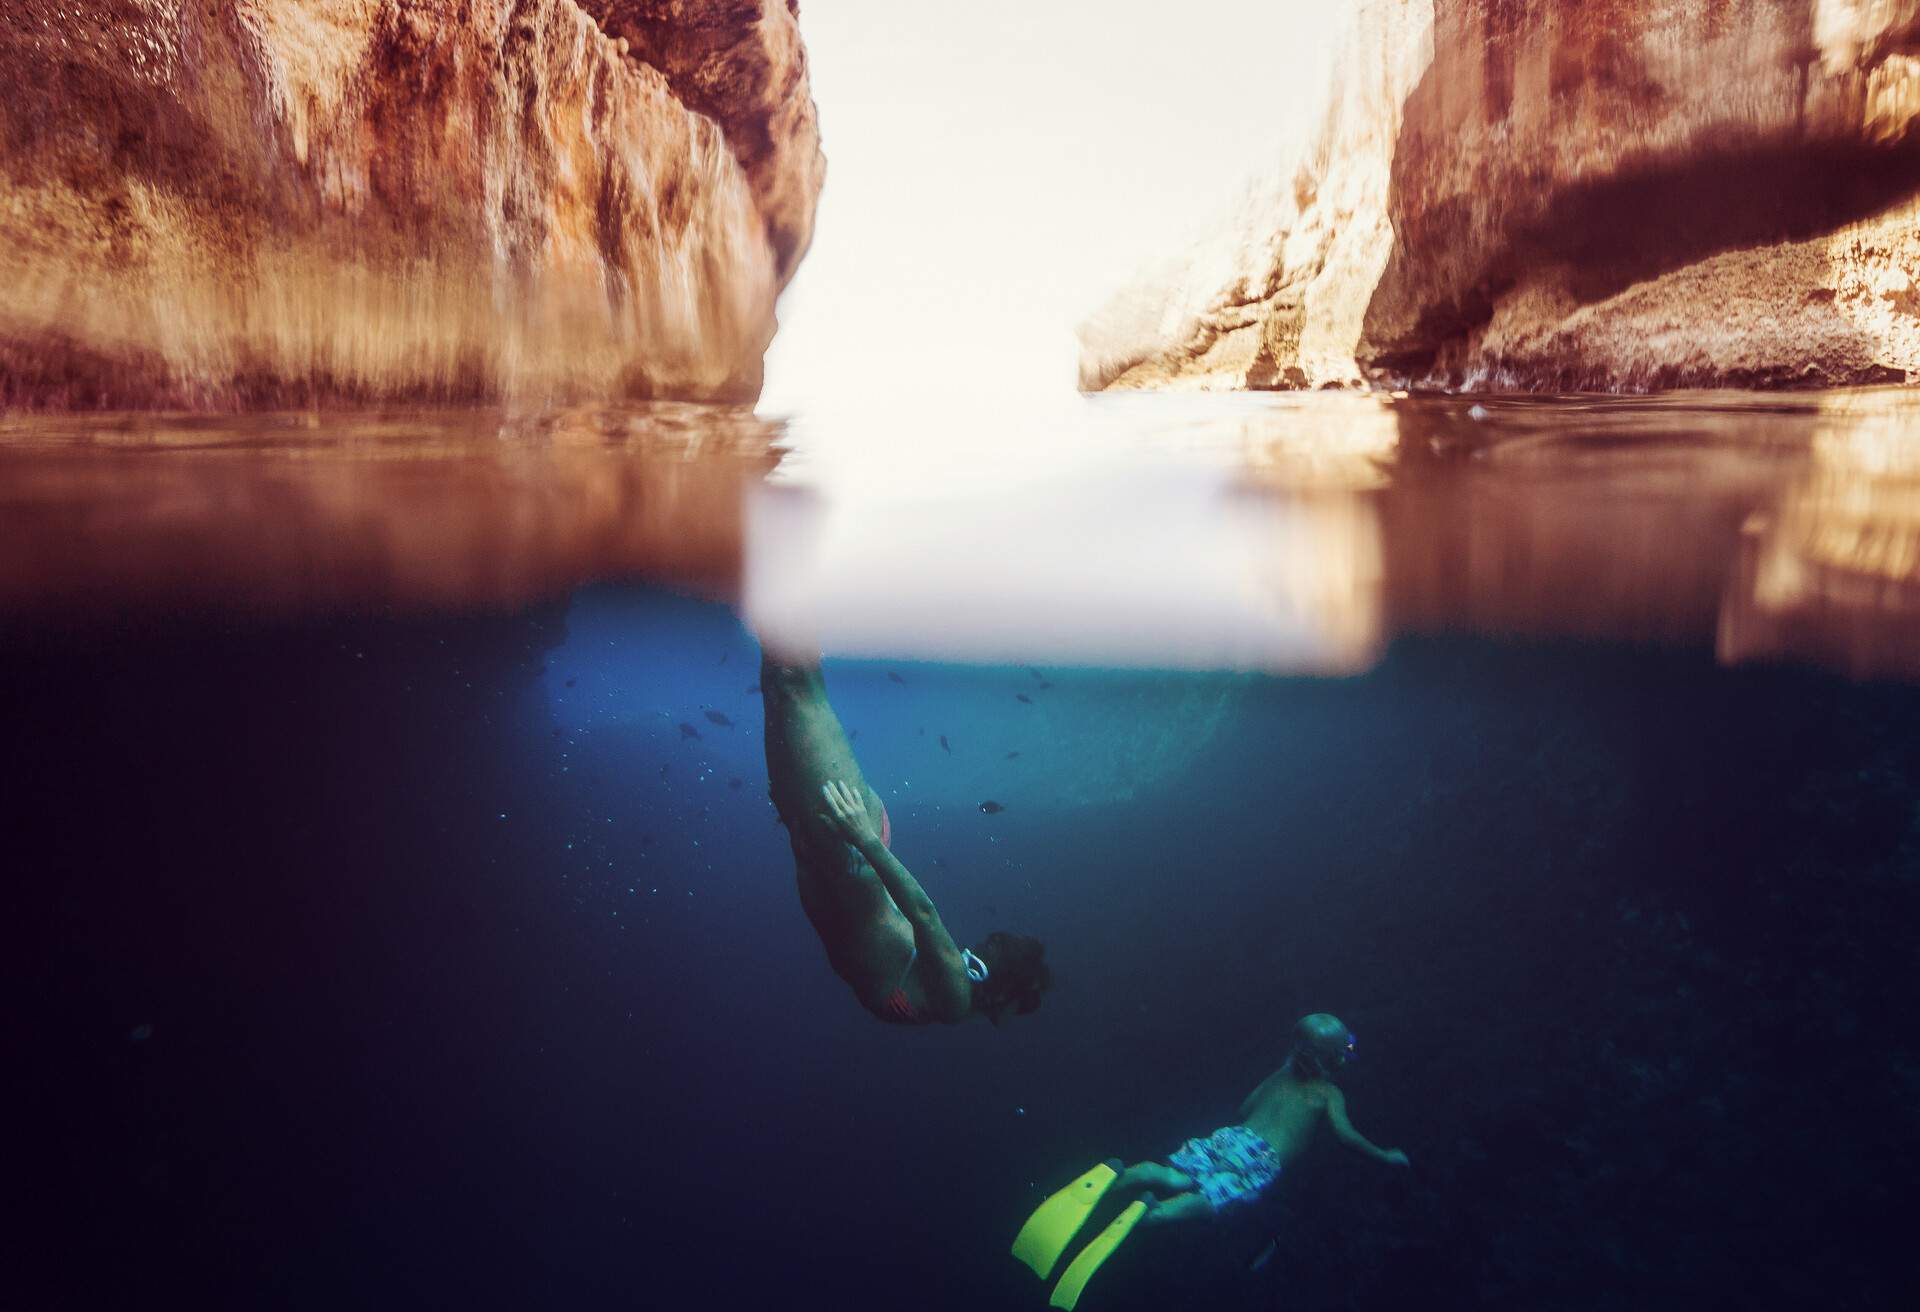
1017 972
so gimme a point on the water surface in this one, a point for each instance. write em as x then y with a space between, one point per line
1298 531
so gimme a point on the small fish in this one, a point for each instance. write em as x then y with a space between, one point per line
944 745
853 735
1037 677
895 677
688 731
733 783
753 690
571 682
723 658
556 733
1013 756
720 718
1022 697
1264 1256
991 808
922 731
941 862
663 772
1044 685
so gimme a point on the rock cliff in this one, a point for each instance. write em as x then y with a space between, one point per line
1612 195
253 202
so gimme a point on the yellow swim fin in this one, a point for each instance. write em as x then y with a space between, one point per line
1055 1222
1081 1269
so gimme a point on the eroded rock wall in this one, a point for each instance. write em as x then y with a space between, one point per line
740 62
265 201
1610 195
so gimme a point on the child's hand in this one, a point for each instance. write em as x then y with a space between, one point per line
848 814
1394 1157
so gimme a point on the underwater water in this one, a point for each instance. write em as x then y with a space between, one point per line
401 918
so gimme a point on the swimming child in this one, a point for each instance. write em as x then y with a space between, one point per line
882 933
1204 1176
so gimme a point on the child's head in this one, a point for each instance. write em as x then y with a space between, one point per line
1322 1044
1016 974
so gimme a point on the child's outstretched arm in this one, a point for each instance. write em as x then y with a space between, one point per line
1343 1131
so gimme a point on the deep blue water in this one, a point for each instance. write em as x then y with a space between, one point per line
396 963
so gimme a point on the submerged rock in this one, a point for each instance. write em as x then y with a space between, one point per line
1600 195
251 202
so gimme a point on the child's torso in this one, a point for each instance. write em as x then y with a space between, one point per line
1286 1113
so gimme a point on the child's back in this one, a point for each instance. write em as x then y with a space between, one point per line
1285 1109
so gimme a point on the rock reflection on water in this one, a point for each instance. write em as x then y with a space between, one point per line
1830 571
290 513
1582 520
1287 532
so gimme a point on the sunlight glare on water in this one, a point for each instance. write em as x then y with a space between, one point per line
1118 530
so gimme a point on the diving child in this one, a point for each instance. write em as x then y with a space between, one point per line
1230 1166
882 933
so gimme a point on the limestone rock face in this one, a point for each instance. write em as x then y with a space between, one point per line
740 62
265 201
1610 194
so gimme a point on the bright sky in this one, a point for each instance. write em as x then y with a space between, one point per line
996 169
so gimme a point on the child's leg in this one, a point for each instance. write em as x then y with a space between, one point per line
1173 1191
1151 1177
1187 1207
806 747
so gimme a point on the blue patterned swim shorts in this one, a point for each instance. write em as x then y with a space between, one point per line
1229 1166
